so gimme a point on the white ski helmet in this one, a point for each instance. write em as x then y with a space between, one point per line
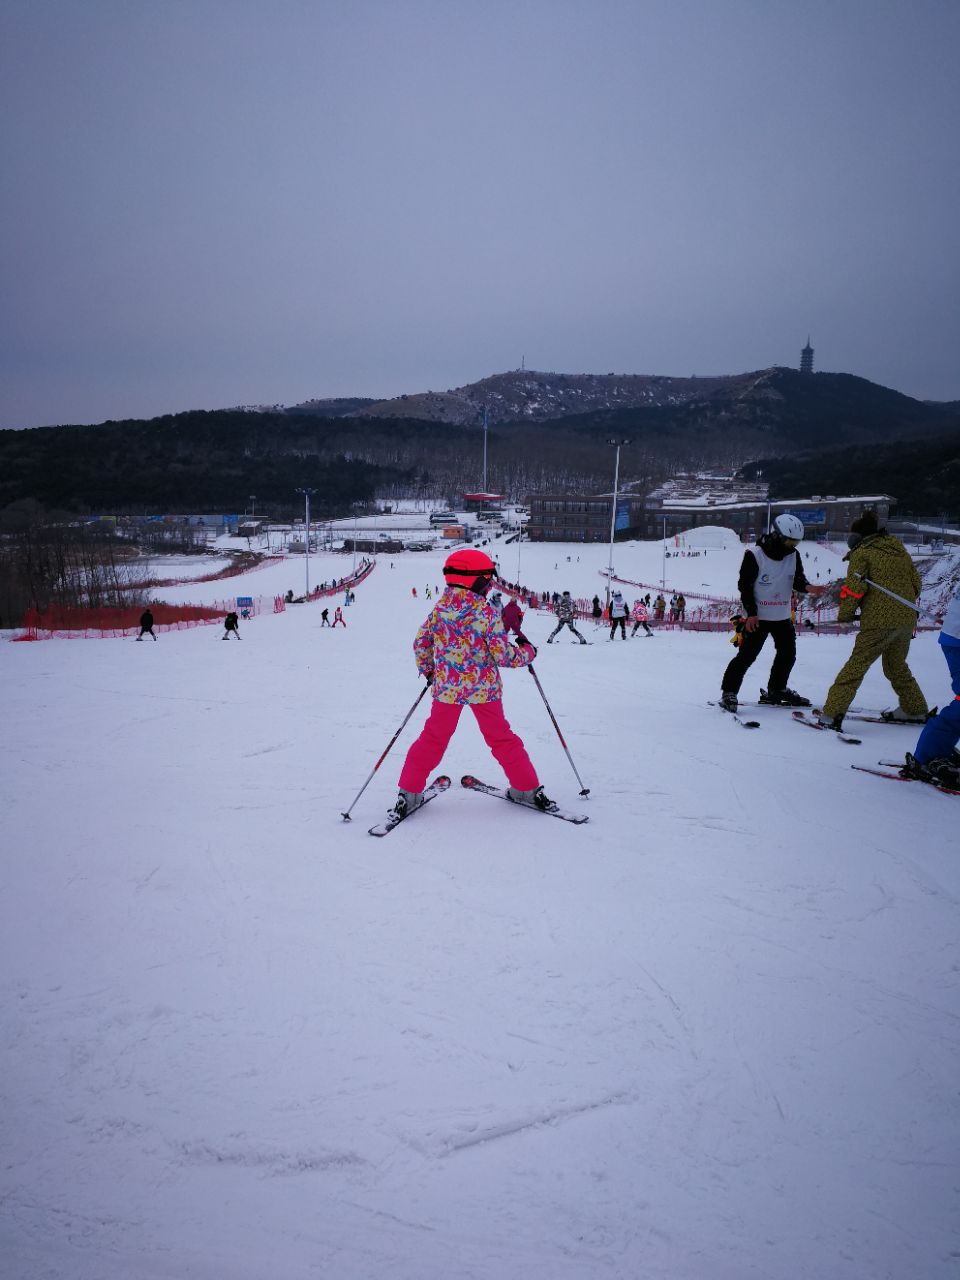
789 526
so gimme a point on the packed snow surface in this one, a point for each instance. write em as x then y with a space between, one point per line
711 1035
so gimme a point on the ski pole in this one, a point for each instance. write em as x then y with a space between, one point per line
346 815
892 594
584 791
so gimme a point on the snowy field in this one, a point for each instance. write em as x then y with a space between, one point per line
711 1035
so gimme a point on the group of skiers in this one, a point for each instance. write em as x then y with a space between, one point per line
881 590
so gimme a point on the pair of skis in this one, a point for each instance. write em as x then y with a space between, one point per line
800 715
441 783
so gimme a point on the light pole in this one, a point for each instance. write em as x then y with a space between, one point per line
663 558
306 542
618 445
484 449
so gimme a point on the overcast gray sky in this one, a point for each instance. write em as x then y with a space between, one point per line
215 202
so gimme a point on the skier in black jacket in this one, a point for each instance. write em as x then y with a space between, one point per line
770 575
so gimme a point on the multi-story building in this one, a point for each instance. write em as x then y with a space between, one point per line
686 503
565 517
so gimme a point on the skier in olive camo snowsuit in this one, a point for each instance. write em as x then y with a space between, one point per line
886 625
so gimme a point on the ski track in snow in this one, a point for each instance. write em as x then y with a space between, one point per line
711 1035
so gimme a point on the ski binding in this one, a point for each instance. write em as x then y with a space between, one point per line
474 784
436 788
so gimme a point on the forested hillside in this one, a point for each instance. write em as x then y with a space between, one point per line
923 475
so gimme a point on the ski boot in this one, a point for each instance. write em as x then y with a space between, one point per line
898 716
535 798
782 698
830 722
942 772
407 801
728 701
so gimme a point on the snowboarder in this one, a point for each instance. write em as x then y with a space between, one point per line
146 625
640 618
886 625
565 613
934 758
770 573
459 650
618 616
231 626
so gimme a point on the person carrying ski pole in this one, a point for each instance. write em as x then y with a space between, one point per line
565 612
888 616
459 649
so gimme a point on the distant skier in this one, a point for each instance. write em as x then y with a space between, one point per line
565 613
770 573
459 649
618 616
659 608
231 626
681 608
146 625
512 617
597 611
639 616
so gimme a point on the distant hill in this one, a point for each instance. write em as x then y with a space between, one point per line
793 410
767 398
546 432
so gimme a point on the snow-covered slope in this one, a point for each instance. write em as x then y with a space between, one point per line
711 1035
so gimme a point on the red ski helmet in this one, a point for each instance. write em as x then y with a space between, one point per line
469 568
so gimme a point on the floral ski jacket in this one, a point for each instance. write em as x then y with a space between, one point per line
462 644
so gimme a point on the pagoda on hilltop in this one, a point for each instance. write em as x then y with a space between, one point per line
806 358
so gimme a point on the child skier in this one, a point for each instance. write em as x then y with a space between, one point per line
459 649
565 612
640 618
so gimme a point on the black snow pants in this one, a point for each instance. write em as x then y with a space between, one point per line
785 640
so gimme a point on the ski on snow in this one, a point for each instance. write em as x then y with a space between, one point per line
898 777
744 724
881 719
801 717
436 788
474 784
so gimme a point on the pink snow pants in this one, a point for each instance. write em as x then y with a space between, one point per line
427 752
